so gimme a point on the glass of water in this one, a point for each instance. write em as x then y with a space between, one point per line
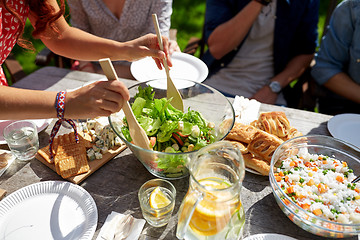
157 201
22 139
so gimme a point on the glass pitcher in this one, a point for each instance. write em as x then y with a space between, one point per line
212 207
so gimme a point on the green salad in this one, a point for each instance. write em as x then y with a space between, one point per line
169 129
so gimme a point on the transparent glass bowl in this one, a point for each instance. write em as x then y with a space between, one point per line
214 107
315 144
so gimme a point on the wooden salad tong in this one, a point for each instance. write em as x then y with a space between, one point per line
172 91
137 133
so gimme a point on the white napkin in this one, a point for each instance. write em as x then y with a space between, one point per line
109 227
246 110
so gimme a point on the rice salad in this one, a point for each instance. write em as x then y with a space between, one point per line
321 185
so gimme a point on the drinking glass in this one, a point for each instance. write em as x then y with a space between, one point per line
22 139
157 201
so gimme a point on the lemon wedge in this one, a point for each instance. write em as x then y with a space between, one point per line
158 199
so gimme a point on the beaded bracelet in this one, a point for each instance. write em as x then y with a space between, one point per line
60 109
263 2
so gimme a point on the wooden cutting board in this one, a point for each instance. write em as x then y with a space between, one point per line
2 193
93 165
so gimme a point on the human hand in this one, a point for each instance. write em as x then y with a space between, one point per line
173 47
265 95
148 46
100 98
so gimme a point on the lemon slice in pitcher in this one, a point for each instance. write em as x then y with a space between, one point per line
158 199
213 213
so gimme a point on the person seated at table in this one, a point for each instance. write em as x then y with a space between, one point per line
96 99
121 21
338 61
257 47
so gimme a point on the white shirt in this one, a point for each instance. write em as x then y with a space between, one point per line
253 65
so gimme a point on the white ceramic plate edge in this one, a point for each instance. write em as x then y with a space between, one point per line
269 236
139 70
339 121
62 188
253 171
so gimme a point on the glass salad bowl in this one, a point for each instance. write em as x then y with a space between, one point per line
175 139
321 198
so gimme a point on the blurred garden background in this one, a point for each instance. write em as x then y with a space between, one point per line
187 18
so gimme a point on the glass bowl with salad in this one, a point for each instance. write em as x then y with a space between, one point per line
311 179
174 135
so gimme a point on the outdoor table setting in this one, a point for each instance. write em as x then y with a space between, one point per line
112 187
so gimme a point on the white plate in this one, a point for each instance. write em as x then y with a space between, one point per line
48 210
346 127
269 236
185 66
41 124
252 171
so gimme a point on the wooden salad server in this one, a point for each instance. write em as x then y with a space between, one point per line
137 133
172 91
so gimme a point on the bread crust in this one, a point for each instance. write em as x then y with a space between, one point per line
275 123
243 149
259 140
256 164
264 145
292 133
242 133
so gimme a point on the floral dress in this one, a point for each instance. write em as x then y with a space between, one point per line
9 27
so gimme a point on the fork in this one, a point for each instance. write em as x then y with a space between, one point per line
356 179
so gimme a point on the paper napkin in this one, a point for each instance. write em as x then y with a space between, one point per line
246 110
109 228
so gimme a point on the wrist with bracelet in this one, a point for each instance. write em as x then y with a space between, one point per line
60 109
263 2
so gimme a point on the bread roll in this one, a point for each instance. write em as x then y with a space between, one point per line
275 123
256 164
242 133
264 144
240 146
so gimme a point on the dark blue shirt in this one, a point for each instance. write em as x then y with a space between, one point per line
295 29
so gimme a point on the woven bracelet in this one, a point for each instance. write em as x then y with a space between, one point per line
60 109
